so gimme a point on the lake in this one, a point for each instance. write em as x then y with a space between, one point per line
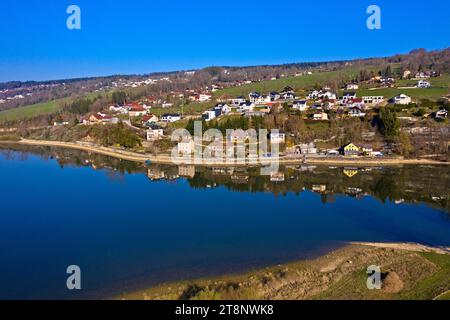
130 226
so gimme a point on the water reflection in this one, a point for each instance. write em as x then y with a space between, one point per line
402 184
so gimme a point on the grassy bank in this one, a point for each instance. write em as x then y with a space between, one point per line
406 274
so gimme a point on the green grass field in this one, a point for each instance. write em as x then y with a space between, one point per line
33 110
303 82
433 93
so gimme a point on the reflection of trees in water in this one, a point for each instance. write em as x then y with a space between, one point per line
429 184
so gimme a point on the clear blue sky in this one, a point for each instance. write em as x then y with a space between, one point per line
142 36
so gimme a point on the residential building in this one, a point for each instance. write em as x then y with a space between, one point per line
373 99
186 146
154 133
149 119
301 105
208 115
350 150
320 116
352 86
423 84
203 97
402 99
237 101
356 112
441 114
307 148
136 110
118 109
246 107
277 137
237 135
170 117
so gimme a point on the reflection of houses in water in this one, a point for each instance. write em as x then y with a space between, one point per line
319 188
277 176
222 171
155 173
354 192
350 172
305 168
186 171
239 178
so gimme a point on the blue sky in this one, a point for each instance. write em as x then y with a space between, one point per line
138 36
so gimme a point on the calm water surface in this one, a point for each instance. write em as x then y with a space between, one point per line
128 226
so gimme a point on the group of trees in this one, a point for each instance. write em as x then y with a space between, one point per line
116 135
388 123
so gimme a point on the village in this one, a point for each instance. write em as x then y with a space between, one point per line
147 115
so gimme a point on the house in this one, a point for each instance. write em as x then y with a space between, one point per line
313 95
288 96
237 101
301 105
356 112
255 114
352 86
100 118
118 109
373 99
167 105
277 137
328 95
170 117
422 75
320 116
208 115
154 132
402 99
257 98
349 150
149 119
348 95
274 96
136 110
406 74
237 135
186 146
441 114
423 84
307 148
224 108
246 107
287 89
356 102
203 97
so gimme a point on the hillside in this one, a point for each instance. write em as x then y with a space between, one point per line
230 79
406 274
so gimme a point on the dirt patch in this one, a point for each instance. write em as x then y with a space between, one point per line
392 283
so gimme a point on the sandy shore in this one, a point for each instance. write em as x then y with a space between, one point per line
166 159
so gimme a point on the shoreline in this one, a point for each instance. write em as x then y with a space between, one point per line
342 263
166 159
